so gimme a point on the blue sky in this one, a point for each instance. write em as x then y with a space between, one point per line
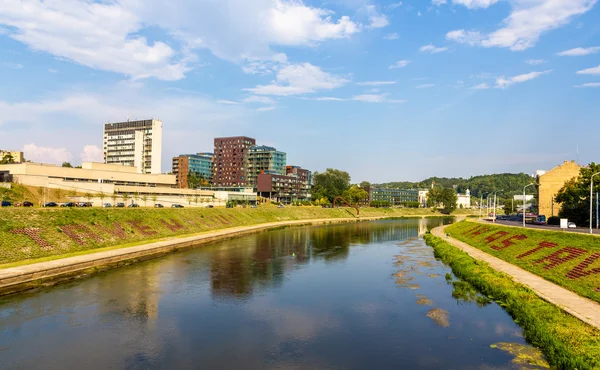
385 90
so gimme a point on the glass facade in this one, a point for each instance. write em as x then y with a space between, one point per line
266 160
396 197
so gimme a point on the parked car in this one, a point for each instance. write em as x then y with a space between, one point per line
120 205
50 204
27 204
6 203
107 205
133 205
158 205
280 206
176 206
571 225
84 204
210 206
253 206
67 204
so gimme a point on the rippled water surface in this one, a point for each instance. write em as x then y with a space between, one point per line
366 295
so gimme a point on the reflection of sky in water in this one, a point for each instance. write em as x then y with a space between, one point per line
321 297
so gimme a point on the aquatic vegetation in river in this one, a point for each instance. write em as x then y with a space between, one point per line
440 317
524 355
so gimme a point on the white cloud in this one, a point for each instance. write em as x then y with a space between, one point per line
432 49
376 19
295 79
394 5
577 52
97 35
438 2
589 84
365 98
482 86
259 99
424 86
399 64
465 37
265 65
92 153
502 82
474 4
535 62
329 98
265 109
227 102
528 20
40 154
391 36
375 83
52 70
590 71
109 35
419 14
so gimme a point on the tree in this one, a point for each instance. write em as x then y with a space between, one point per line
330 184
67 164
88 196
574 197
8 158
196 198
444 198
58 194
144 199
102 196
125 197
154 198
195 180
366 186
136 196
356 195
114 197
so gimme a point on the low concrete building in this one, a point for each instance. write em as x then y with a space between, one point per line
17 157
395 197
549 184
110 183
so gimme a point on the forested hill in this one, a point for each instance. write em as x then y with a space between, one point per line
509 183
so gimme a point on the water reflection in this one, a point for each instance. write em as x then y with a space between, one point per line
262 262
320 297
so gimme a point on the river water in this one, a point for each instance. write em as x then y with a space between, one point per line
366 295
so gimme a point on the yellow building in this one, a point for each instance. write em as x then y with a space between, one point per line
16 156
550 183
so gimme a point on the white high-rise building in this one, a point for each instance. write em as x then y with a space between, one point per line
134 143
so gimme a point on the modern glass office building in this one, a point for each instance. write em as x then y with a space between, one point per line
264 160
396 197
200 164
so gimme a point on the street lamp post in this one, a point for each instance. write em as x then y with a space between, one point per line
592 201
495 193
524 197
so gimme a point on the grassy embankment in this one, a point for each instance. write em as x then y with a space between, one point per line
567 342
29 235
568 259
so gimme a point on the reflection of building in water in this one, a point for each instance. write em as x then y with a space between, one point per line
423 226
241 267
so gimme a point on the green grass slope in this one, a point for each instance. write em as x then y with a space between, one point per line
567 259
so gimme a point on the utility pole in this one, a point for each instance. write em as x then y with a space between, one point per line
592 200
597 219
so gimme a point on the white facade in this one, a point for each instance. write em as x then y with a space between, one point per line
464 200
134 143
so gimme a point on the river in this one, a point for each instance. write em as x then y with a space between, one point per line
367 295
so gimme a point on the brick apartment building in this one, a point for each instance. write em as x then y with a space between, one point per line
294 186
230 160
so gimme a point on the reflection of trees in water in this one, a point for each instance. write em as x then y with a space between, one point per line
263 259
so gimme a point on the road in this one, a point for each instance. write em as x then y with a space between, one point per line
581 230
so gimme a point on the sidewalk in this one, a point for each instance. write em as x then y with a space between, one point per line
584 309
